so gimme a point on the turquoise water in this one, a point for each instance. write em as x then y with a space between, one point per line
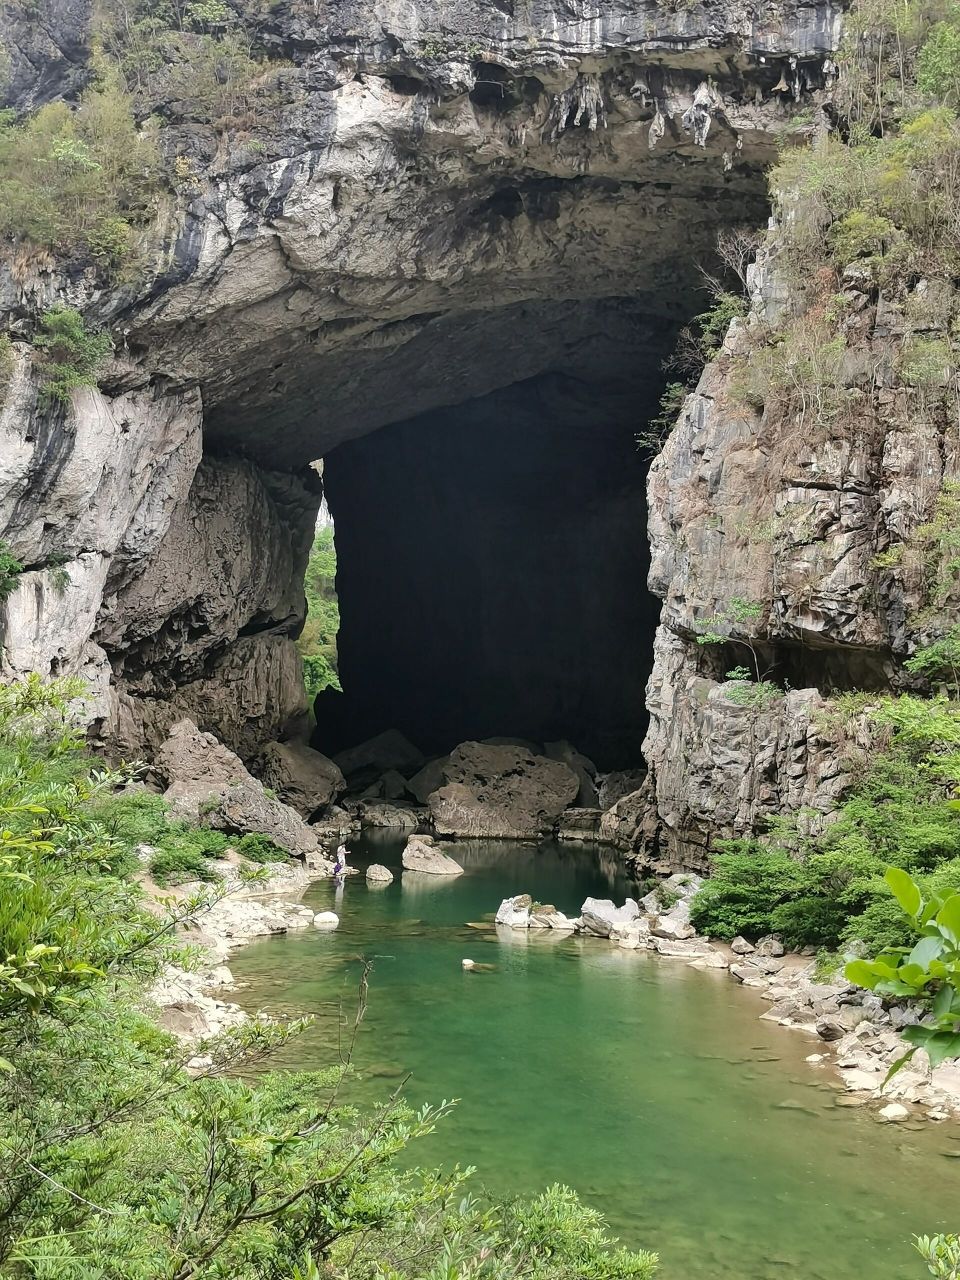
650 1087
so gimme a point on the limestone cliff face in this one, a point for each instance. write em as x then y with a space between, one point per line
798 519
441 202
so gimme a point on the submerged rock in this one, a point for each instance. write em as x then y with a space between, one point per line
421 854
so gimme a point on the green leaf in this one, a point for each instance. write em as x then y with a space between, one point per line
926 950
862 972
942 1002
904 890
948 918
898 1066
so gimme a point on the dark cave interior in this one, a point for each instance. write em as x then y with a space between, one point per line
492 562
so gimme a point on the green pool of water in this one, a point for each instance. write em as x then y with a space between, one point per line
650 1087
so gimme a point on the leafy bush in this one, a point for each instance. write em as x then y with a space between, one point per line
77 181
182 864
929 971
750 693
258 848
939 660
71 354
10 570
747 882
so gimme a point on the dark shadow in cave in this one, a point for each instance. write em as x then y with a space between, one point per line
492 562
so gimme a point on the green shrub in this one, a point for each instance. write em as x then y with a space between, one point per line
939 660
830 891
757 694
10 570
71 353
77 181
258 848
747 883
177 863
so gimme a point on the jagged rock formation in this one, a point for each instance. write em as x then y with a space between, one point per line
756 505
439 205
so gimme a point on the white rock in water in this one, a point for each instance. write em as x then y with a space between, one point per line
515 911
467 964
381 874
326 920
599 915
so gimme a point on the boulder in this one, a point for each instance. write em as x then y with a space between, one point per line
600 915
377 813
207 782
393 785
422 854
428 779
710 959
515 912
326 920
548 917
301 777
893 1113
389 750
501 791
632 934
674 924
685 949
746 974
612 787
830 1029
586 771
741 947
377 873
770 946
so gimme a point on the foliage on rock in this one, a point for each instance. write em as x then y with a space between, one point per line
828 890
71 355
77 181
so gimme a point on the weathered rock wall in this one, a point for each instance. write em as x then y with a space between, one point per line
169 583
777 510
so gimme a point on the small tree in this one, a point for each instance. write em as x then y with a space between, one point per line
718 627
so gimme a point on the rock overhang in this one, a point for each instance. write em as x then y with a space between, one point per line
404 213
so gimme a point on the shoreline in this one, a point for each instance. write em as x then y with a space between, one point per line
853 1034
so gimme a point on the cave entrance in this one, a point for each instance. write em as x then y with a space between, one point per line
492 560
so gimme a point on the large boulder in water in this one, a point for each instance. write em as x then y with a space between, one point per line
600 915
503 791
421 854
301 777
